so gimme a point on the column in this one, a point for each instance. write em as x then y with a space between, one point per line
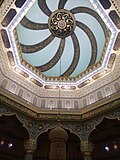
87 148
58 137
30 146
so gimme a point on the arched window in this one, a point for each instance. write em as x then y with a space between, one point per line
34 101
76 106
117 87
51 103
68 104
20 93
99 94
13 88
84 102
43 103
107 91
4 83
92 100
27 98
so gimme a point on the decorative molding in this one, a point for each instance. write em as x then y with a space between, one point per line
5 7
75 123
16 106
62 116
116 4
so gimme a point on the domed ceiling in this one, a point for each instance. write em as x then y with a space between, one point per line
64 41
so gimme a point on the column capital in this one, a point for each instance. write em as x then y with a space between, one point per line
86 147
30 145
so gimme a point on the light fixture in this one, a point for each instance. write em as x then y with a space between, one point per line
68 87
10 145
115 145
107 148
2 142
19 71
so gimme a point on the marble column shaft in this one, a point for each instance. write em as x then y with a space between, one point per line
58 137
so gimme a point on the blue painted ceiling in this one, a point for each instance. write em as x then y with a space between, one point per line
88 36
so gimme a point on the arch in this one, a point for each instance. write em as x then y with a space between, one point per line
73 147
12 131
43 103
42 150
51 103
117 87
92 100
43 142
67 105
99 94
13 88
8 113
20 93
84 102
107 91
76 105
4 83
70 128
15 121
105 134
100 119
35 101
28 97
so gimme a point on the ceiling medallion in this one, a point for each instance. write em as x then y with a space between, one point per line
61 23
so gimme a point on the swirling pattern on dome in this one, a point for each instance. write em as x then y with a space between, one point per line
72 37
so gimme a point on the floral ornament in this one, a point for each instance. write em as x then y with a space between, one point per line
61 24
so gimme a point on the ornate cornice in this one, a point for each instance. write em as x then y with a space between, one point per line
17 106
102 110
80 117
61 115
